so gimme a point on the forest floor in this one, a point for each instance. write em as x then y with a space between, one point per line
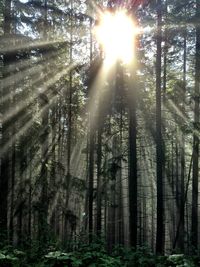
93 255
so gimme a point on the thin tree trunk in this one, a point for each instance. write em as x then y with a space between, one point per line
69 135
44 105
11 226
159 145
91 178
195 178
91 158
4 172
30 199
99 159
182 191
132 178
121 208
184 201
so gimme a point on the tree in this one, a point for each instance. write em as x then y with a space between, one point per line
159 141
5 159
195 177
132 161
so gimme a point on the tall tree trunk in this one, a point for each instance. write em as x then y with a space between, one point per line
132 177
21 189
11 224
121 201
99 159
30 197
13 173
91 177
194 229
159 145
42 230
182 189
4 172
69 133
44 105
91 158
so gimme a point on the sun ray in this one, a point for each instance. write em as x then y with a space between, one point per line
20 132
25 127
24 64
23 104
11 46
27 72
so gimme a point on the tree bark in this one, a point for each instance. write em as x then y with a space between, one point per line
4 172
91 157
132 177
159 145
195 177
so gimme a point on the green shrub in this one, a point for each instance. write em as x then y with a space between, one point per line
92 255
58 258
8 260
180 260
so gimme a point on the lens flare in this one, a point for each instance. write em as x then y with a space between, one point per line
116 33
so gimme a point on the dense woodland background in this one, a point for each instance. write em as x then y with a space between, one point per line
86 153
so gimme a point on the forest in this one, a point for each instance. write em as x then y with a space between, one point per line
99 133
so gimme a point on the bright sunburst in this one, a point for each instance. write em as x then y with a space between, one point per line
116 32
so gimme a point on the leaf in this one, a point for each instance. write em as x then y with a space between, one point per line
53 255
2 256
77 263
64 257
11 258
19 252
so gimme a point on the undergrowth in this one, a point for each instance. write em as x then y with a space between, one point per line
83 254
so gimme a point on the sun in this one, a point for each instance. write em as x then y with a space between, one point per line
116 34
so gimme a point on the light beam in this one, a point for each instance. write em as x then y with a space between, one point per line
116 33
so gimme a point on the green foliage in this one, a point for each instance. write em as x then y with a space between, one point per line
100 259
143 257
137 257
59 258
8 259
179 260
76 259
93 255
